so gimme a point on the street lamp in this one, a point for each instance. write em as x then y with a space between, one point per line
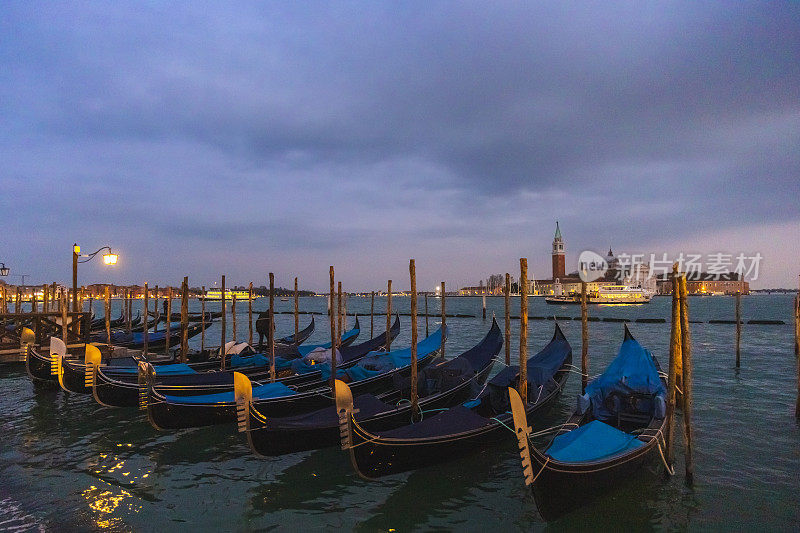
109 258
4 270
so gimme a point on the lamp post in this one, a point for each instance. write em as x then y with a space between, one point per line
4 270
109 259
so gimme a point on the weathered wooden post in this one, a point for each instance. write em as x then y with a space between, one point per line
333 335
389 317
45 302
738 326
129 304
686 360
233 315
507 298
250 314
372 315
224 326
343 298
339 307
523 329
444 322
146 317
107 310
203 319
185 319
271 336
63 309
797 349
484 305
672 373
426 314
168 332
584 339
156 311
414 390
296 311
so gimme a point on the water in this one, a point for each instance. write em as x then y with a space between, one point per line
68 464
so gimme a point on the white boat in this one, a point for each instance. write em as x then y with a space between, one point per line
216 294
620 294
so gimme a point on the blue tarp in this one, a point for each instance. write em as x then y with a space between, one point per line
238 361
161 370
375 363
268 390
307 349
592 442
633 370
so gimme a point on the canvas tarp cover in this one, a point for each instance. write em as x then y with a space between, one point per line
592 442
633 370
260 392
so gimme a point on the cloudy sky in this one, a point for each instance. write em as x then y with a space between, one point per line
213 138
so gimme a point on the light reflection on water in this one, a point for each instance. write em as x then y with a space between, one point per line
65 460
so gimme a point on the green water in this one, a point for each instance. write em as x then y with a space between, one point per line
68 464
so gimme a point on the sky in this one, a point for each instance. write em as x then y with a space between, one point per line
208 138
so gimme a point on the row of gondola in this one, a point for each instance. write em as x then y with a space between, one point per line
285 404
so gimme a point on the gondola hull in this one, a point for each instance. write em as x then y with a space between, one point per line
175 415
269 440
558 492
392 456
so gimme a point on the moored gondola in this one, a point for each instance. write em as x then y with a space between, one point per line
439 386
376 372
617 428
458 430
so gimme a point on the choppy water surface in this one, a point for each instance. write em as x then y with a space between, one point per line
68 464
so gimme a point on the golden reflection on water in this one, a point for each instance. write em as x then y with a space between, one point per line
104 502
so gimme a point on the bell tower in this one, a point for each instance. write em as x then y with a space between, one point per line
559 262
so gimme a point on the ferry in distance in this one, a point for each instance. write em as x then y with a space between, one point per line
608 295
216 294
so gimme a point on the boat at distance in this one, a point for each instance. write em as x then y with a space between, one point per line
608 295
216 294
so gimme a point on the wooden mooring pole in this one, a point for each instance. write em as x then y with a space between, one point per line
672 373
444 322
250 314
507 298
224 326
372 315
414 391
233 315
168 332
156 312
738 327
296 311
185 319
145 317
63 305
686 360
340 325
584 339
271 336
107 310
203 319
333 334
389 316
426 314
797 349
523 329
484 305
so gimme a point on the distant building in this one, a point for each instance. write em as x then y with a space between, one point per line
559 259
702 283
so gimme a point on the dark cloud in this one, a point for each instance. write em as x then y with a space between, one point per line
314 132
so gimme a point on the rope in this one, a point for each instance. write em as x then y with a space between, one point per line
547 460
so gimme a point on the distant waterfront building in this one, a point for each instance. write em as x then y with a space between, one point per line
707 284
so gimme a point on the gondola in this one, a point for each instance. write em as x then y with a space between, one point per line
375 373
305 333
262 328
126 387
122 373
439 386
155 339
100 323
617 428
458 430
